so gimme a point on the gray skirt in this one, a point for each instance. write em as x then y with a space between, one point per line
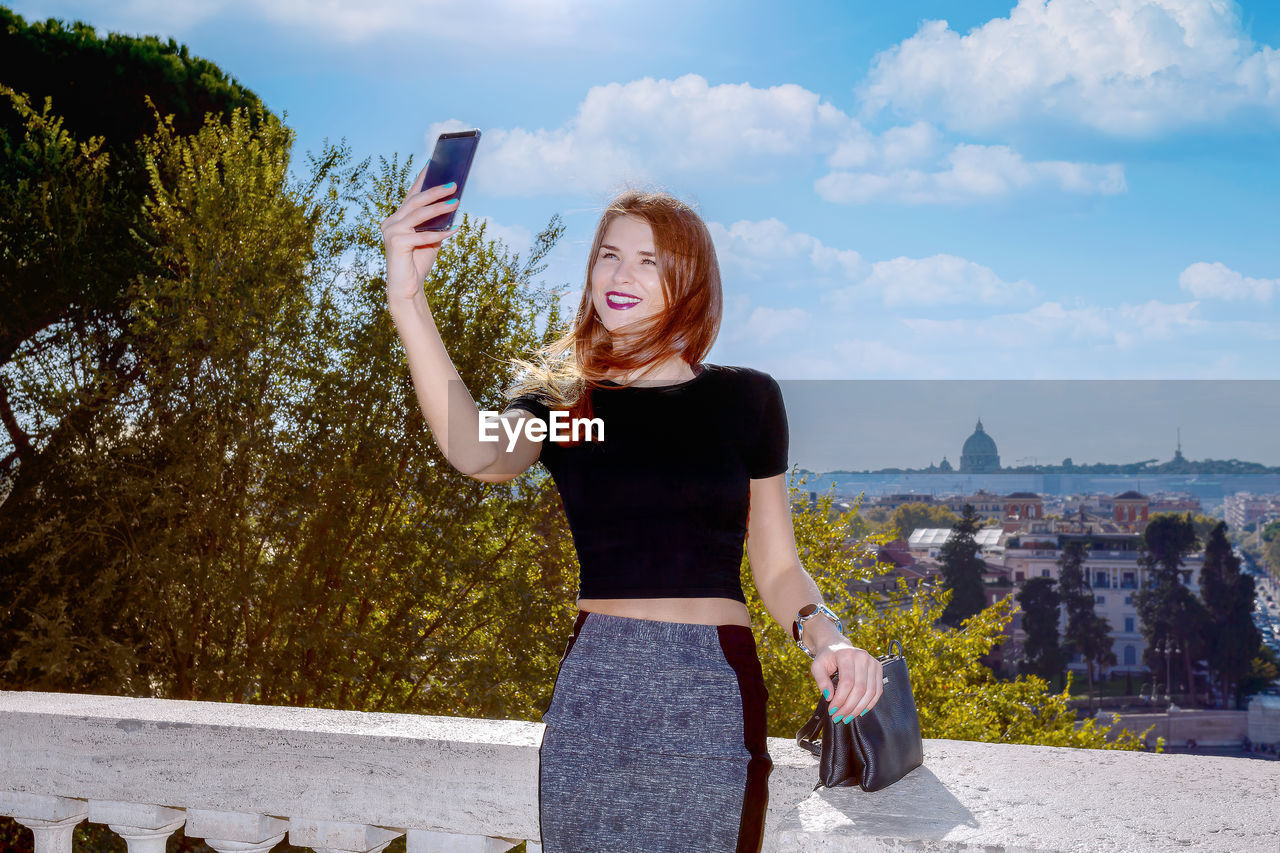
655 740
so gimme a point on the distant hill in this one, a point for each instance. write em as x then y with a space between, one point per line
1179 465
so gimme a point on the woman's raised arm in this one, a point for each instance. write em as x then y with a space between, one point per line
447 405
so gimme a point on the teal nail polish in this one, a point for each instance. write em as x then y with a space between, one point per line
452 201
449 185
864 712
832 710
826 694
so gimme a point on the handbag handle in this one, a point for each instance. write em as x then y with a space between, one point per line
813 726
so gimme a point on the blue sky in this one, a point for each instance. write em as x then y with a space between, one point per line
1071 189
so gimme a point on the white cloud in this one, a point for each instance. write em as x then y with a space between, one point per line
516 237
1218 281
767 324
974 172
1049 327
648 132
937 280
1128 67
770 250
881 358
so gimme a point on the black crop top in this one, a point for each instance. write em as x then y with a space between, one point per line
659 507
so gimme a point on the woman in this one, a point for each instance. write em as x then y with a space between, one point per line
655 735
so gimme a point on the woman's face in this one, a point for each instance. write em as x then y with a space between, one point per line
624 276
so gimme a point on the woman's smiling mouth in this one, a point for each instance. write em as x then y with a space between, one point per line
621 301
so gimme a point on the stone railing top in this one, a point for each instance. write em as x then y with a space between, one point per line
122 711
479 777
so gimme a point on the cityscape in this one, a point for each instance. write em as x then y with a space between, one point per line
1027 519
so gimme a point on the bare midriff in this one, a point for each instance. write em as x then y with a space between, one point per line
703 611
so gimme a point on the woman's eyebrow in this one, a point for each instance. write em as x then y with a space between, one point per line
616 249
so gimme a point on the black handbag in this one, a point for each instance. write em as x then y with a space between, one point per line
876 749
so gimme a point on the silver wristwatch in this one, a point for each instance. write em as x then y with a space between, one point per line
806 613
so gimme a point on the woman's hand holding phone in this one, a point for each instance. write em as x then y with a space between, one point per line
410 254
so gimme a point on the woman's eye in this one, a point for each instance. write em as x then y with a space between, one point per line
604 255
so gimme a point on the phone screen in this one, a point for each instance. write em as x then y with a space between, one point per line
451 161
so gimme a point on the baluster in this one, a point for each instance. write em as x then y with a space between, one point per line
52 820
332 836
426 841
145 828
236 832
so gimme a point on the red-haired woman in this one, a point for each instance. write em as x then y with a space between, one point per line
655 735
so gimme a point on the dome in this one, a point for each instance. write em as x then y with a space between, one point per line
979 444
979 454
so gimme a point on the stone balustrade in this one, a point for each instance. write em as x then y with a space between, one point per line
245 777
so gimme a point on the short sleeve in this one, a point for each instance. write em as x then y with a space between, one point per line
531 403
767 456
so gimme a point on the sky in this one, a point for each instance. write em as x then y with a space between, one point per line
1051 189
858 425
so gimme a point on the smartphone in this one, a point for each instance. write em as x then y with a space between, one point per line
451 161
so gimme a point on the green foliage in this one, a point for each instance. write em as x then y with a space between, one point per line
1201 525
1231 639
1086 633
962 568
1264 670
956 694
1039 601
101 83
1169 613
910 517
864 523
262 516
72 184
64 220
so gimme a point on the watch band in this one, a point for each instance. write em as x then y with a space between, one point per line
806 613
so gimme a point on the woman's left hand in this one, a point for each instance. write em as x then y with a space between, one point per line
860 683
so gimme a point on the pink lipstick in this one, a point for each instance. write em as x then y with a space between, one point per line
621 301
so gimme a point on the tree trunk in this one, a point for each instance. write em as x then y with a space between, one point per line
1191 678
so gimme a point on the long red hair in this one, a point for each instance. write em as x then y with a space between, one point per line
588 353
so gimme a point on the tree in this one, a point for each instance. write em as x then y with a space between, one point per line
962 568
956 694
1264 669
1087 633
1201 525
866 522
1168 611
1043 654
72 184
1230 637
1271 548
262 516
913 516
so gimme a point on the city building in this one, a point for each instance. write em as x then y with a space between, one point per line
1244 508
